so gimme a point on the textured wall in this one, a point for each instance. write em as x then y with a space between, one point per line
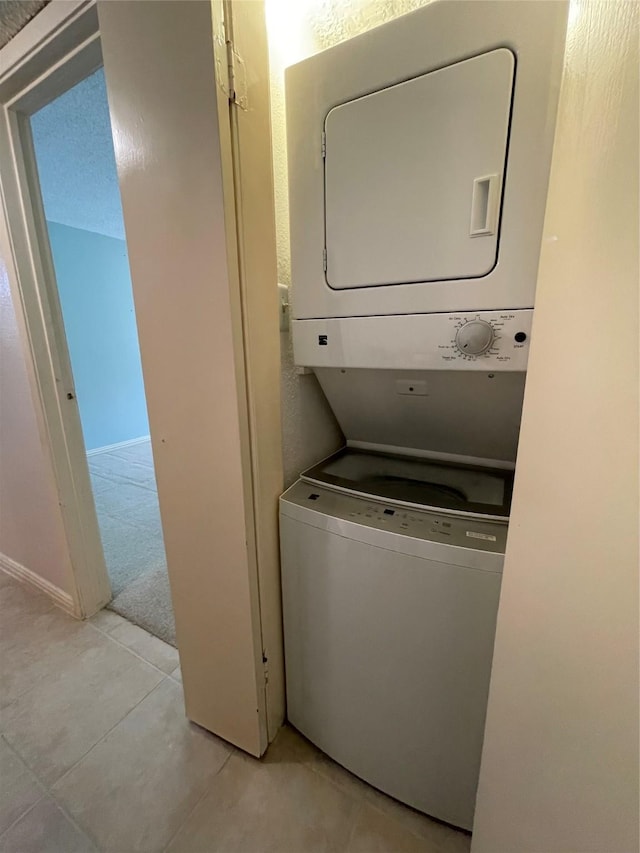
94 284
560 763
14 14
76 163
297 31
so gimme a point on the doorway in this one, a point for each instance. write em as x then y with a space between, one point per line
76 168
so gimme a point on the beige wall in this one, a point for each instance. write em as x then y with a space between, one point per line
560 764
296 31
31 531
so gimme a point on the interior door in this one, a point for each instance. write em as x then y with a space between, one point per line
175 180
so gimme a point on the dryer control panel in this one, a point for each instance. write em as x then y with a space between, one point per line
472 340
487 336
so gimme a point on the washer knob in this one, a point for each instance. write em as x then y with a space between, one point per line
475 337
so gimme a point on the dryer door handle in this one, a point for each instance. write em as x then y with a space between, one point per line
485 202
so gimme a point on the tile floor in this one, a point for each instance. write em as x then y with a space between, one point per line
96 755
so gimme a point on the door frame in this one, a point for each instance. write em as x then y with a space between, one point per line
57 49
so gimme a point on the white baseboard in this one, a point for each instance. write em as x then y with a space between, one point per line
108 447
30 578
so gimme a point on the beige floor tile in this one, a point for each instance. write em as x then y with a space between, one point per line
277 805
439 835
19 789
160 654
376 832
290 745
106 620
134 790
37 646
18 603
57 721
176 674
45 829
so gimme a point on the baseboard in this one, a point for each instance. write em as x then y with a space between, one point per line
30 578
109 447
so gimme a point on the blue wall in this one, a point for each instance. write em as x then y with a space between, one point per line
97 306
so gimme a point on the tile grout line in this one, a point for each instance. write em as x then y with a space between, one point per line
45 792
24 813
99 741
85 833
134 653
232 751
22 694
38 782
48 787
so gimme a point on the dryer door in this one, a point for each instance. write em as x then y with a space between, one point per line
413 176
418 157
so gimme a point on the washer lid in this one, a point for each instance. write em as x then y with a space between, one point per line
419 481
413 176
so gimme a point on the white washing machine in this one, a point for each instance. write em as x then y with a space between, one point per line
391 570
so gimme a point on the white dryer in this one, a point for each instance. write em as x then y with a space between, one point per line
419 155
391 570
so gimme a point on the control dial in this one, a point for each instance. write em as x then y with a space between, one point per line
475 337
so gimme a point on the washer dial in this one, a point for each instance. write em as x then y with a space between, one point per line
475 337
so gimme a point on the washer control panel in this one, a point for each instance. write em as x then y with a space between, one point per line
465 532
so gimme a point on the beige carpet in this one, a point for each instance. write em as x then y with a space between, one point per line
126 499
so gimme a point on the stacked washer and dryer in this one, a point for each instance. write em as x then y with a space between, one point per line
419 156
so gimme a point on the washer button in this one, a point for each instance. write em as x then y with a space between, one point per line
520 337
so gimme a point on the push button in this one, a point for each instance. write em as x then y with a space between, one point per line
520 337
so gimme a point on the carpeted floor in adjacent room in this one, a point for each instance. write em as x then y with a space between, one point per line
126 497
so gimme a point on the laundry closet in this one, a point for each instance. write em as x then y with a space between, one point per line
418 157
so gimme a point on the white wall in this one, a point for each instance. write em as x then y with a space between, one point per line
560 763
31 530
296 31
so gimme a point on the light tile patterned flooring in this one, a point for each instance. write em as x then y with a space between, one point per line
96 754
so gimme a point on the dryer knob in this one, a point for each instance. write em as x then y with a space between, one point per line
475 337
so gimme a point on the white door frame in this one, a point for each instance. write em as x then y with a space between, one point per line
60 47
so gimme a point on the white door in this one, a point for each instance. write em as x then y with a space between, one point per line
214 441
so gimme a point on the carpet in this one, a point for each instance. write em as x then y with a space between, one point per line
126 498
